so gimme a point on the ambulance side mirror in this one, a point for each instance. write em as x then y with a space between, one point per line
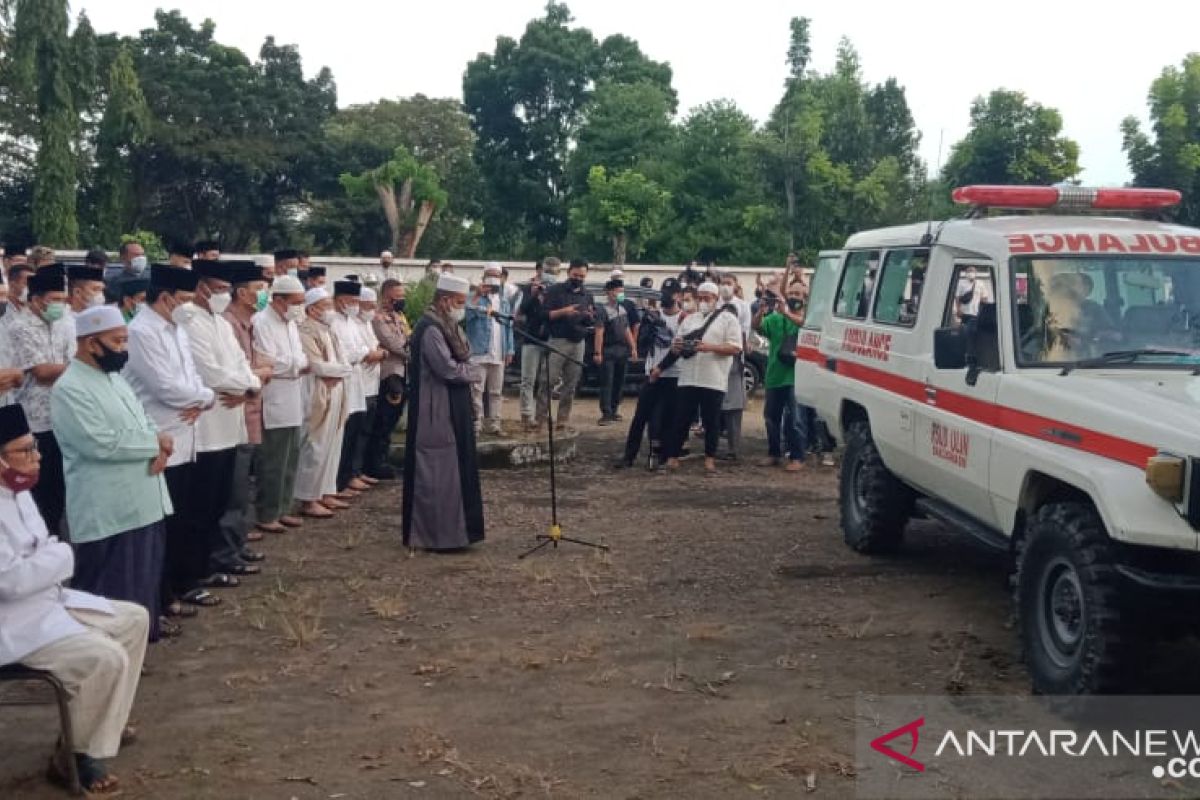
950 348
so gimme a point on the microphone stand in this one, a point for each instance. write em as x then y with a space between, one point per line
555 534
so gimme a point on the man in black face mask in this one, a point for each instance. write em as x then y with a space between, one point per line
108 441
571 312
392 330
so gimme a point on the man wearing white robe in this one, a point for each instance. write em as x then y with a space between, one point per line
224 368
354 350
367 309
325 394
93 645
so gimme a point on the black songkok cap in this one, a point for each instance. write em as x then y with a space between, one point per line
85 273
316 272
13 424
204 245
182 249
48 279
346 288
286 255
174 279
130 287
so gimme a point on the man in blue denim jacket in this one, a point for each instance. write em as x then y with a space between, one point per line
491 347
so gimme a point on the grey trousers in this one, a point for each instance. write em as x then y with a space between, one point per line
731 421
533 393
239 516
278 459
568 372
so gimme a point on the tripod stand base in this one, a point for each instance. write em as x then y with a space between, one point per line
554 537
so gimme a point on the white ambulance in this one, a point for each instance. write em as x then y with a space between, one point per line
1030 379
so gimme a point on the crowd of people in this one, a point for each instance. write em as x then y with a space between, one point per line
156 420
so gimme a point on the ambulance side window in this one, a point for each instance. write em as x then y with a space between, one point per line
972 306
900 284
820 292
858 282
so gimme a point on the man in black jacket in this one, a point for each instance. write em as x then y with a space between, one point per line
571 315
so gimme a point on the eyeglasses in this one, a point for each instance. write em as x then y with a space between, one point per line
25 451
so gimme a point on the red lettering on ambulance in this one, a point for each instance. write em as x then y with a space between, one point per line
1109 243
1020 243
869 344
1079 242
950 444
1141 244
1189 244
1049 242
1163 243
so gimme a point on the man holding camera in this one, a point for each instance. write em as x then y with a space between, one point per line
615 345
571 312
779 323
706 345
531 316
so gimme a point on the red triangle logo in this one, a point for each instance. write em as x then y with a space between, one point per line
880 745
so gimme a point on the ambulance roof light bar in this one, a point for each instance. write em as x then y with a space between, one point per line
1069 198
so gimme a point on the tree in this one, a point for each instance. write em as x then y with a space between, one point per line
526 101
625 126
438 134
123 127
626 208
409 194
1012 140
1171 159
41 69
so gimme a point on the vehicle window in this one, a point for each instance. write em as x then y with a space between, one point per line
900 284
972 287
1123 311
858 281
820 291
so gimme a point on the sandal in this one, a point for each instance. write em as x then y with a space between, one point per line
245 569
347 494
202 598
317 511
168 629
178 609
357 485
129 736
252 556
367 479
292 522
270 527
94 779
254 536
219 580
333 504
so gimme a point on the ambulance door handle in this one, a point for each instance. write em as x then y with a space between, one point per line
931 394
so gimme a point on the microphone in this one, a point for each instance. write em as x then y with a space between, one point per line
498 315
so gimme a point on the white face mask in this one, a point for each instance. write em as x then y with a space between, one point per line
294 313
139 308
96 300
219 302
137 265
183 313
726 293
327 317
458 314
351 312
24 296
366 316
689 305
705 306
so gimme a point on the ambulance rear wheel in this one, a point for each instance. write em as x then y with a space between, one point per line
1073 625
875 505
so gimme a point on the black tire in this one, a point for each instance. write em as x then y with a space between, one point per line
751 377
1073 627
875 505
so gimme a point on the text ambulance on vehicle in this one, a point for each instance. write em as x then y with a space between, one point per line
1030 379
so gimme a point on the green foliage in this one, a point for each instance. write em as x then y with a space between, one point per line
1012 141
123 127
408 191
627 208
151 242
1171 159
417 297
625 126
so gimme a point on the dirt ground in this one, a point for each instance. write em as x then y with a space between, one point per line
714 652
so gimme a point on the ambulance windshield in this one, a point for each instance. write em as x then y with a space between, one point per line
1097 311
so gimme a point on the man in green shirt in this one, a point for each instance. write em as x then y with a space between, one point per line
779 321
113 457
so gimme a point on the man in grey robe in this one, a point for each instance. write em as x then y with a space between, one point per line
443 501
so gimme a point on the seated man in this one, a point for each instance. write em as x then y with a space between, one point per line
93 645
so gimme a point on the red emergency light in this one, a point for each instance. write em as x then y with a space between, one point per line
1066 197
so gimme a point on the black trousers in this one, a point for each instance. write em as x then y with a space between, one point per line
351 432
50 494
655 408
612 386
689 400
239 517
214 475
186 556
380 429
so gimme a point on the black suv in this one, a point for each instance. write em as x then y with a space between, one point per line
755 368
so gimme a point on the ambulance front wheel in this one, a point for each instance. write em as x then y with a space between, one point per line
875 505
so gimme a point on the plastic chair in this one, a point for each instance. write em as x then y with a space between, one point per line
12 673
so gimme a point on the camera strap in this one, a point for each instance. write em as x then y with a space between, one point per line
697 335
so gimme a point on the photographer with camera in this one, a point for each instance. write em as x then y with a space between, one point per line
531 317
571 315
615 346
706 343
779 323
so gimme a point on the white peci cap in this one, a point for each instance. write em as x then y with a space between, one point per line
97 319
367 295
287 284
315 296
449 282
708 287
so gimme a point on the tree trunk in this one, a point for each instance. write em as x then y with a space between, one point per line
619 241
789 189
424 215
387 199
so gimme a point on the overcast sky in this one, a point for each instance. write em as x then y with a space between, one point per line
1095 66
